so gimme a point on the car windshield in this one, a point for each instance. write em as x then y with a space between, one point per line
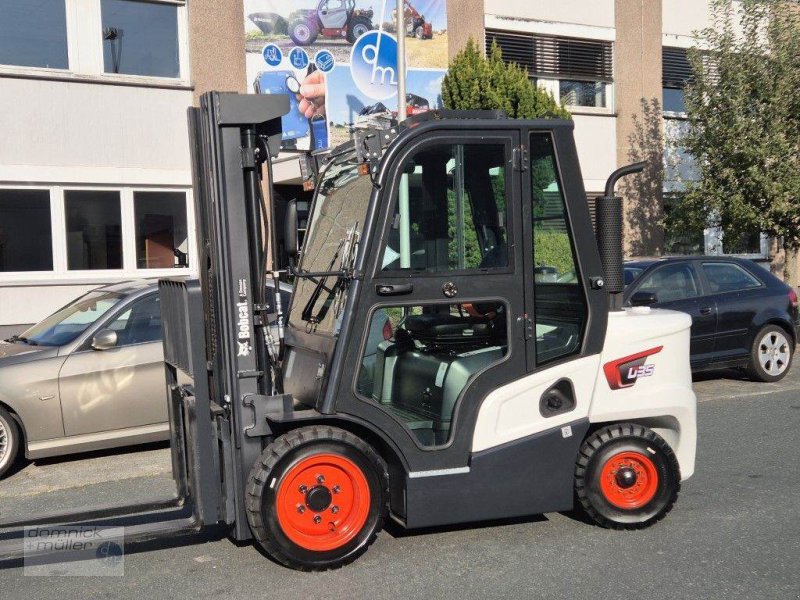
337 219
65 325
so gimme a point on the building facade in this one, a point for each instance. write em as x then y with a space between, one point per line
95 177
95 181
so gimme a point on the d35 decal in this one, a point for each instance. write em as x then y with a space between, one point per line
624 372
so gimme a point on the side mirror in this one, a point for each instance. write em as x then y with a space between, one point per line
105 339
643 298
290 230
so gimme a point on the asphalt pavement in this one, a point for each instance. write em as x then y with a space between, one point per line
734 533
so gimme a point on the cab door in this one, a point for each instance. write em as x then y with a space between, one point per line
564 329
440 318
333 14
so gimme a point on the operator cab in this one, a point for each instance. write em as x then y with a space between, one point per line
471 276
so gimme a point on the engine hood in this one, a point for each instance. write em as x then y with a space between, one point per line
18 352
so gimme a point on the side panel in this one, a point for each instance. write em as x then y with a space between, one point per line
31 390
512 412
528 476
661 396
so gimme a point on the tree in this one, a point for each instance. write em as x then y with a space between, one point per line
744 123
476 82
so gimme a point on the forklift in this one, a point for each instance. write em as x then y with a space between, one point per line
425 371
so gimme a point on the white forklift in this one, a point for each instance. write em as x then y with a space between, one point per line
454 350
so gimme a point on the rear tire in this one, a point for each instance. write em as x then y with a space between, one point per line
771 354
358 26
626 477
302 32
420 32
9 441
317 498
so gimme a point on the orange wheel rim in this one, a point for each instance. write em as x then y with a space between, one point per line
323 502
629 480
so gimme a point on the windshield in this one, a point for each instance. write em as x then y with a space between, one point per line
65 325
336 221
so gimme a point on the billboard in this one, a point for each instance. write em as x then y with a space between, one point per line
337 61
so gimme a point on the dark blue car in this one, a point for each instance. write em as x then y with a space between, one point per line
742 315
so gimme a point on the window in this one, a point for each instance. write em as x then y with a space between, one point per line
161 233
94 230
560 310
33 33
451 211
581 71
671 282
676 72
582 93
140 38
677 239
419 359
728 277
26 236
139 324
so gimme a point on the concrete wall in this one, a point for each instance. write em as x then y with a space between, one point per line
596 139
216 37
598 13
464 21
56 131
637 81
684 17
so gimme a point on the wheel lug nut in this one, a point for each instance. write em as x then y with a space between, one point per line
301 509
320 479
303 489
317 520
334 509
336 489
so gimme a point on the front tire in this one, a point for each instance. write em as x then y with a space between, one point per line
771 354
317 498
358 27
626 477
302 32
9 441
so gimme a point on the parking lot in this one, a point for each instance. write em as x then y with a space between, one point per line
734 532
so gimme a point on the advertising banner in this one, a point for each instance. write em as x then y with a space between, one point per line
337 61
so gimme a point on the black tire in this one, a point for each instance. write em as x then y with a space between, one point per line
303 32
419 32
358 26
268 482
604 448
9 441
775 367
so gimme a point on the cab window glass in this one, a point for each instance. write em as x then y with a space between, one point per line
728 277
560 310
671 282
450 210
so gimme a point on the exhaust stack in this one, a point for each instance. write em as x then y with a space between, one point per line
609 235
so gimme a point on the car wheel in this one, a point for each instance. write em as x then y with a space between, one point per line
9 441
771 354
303 33
358 27
317 497
626 477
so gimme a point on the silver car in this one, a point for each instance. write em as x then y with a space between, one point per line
90 376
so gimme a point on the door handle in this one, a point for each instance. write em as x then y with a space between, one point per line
393 290
706 310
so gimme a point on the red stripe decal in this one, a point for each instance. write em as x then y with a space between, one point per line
615 369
